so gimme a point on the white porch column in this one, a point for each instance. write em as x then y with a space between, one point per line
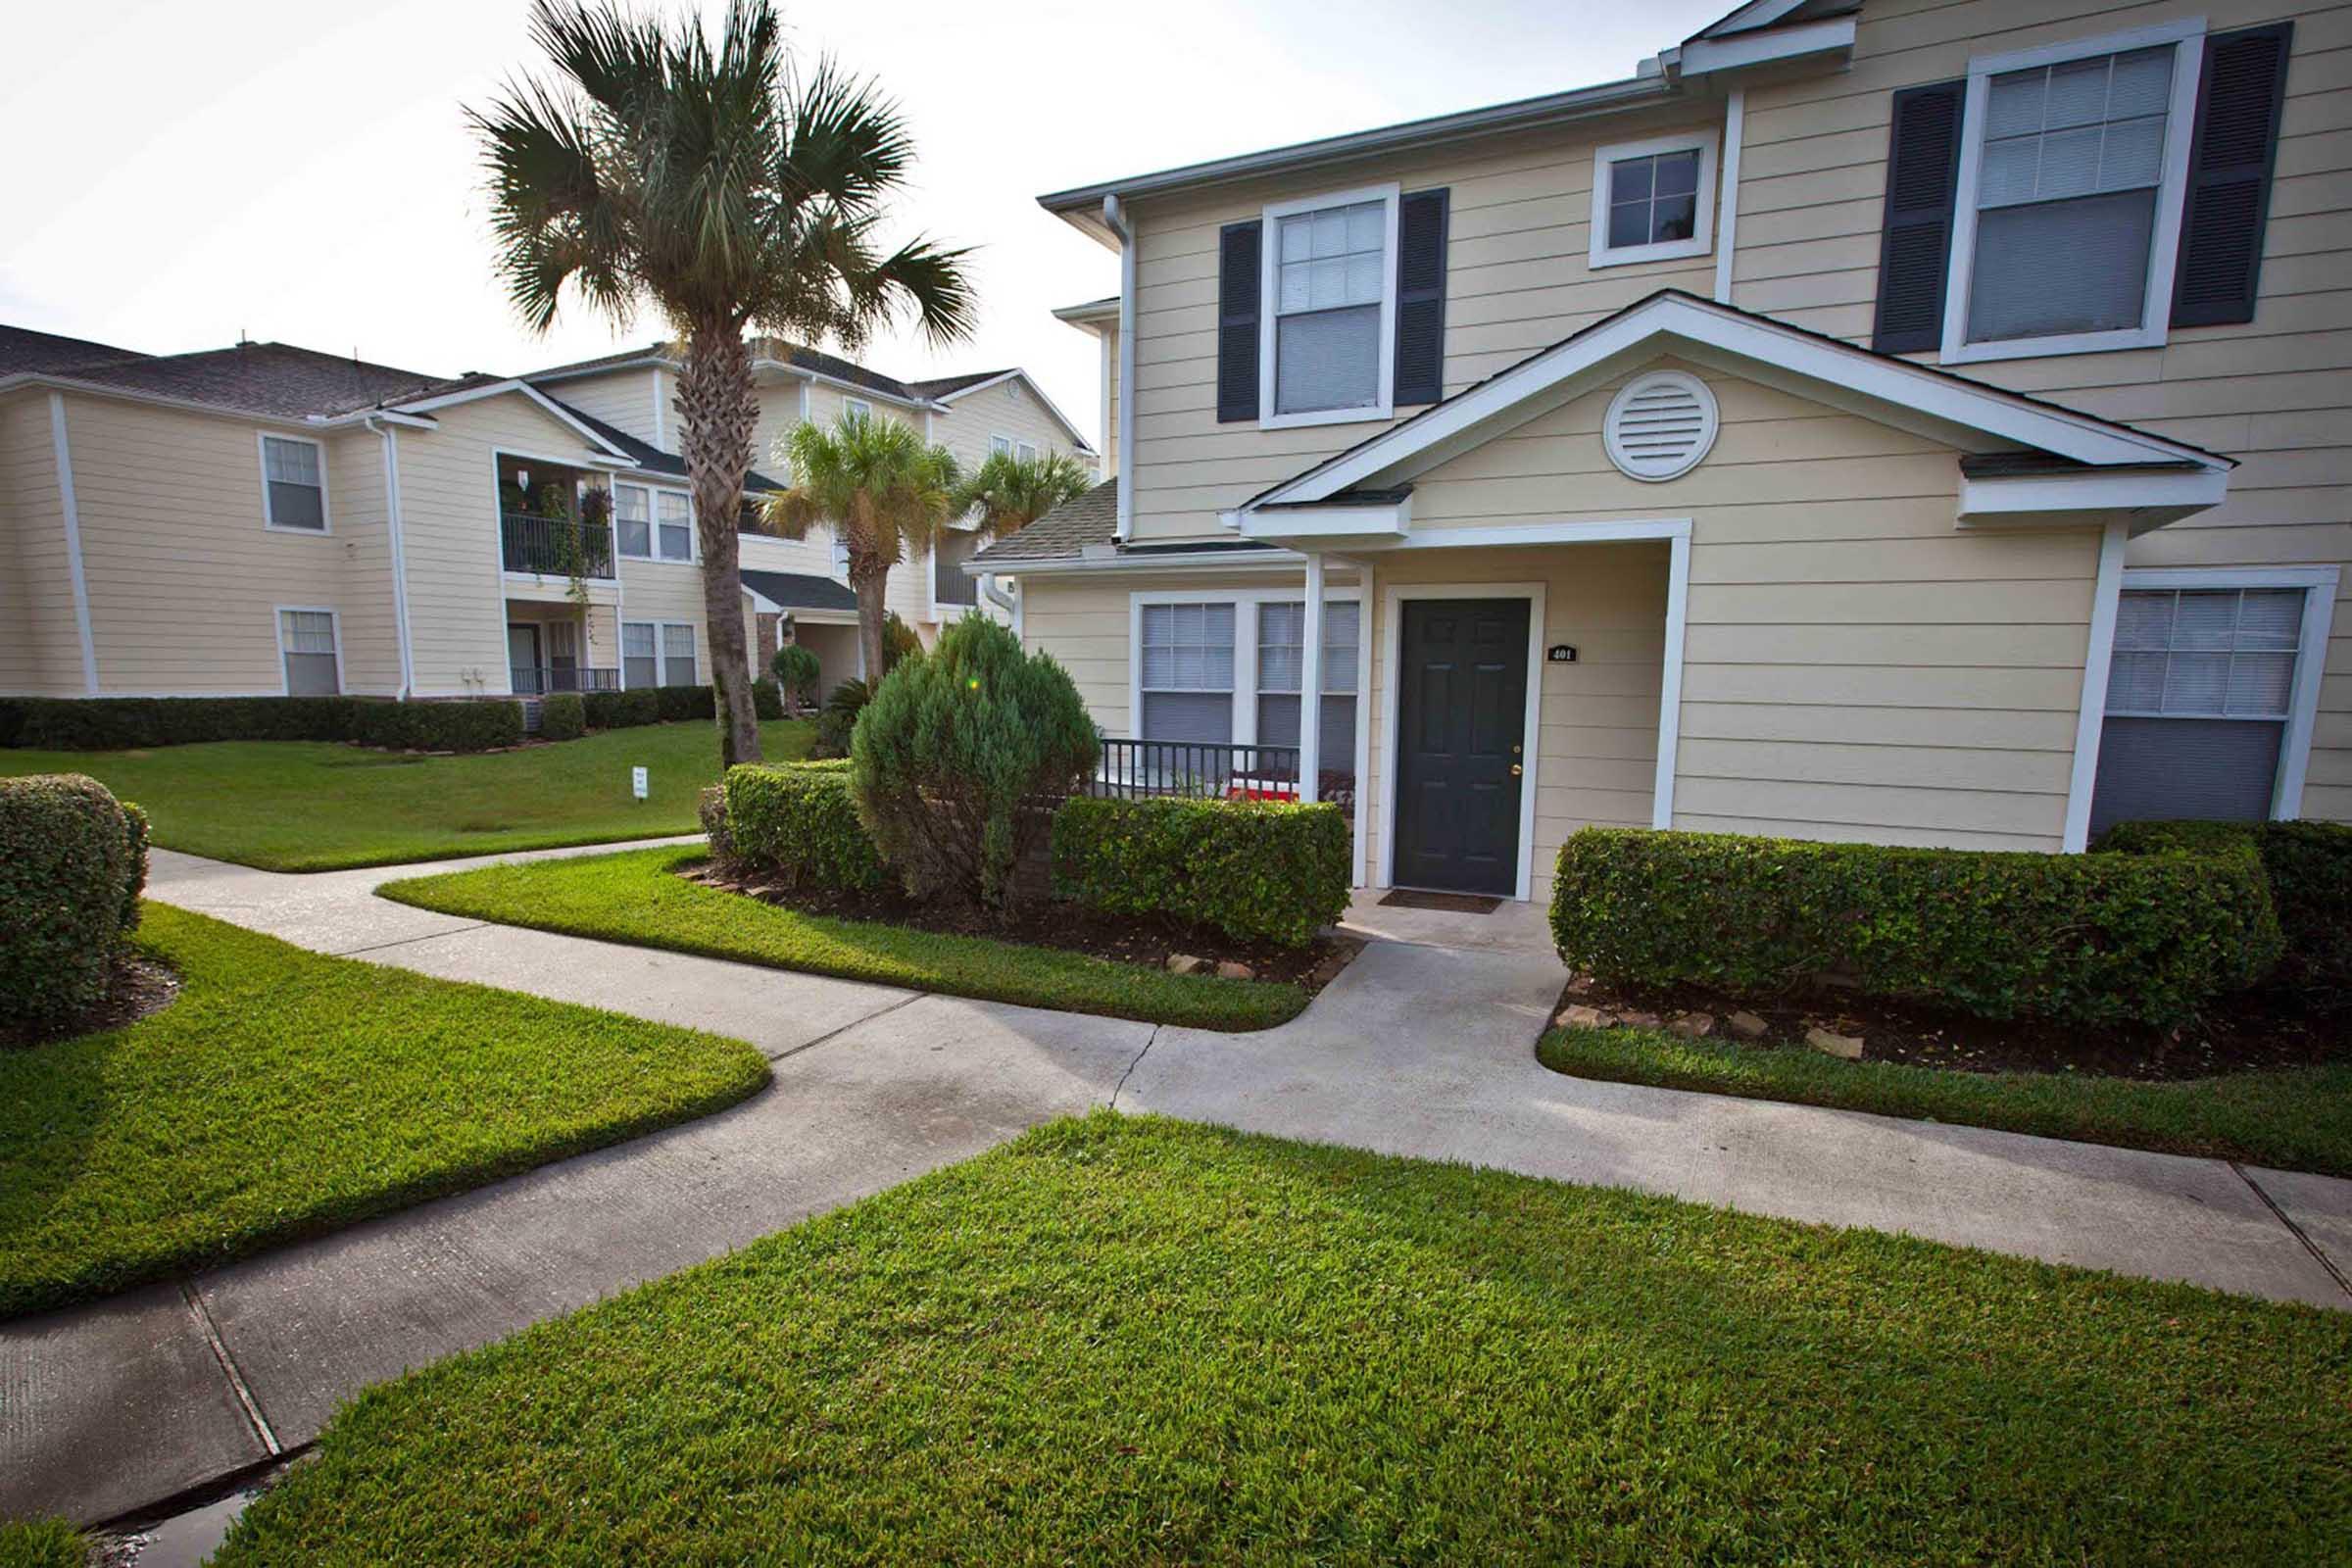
1311 682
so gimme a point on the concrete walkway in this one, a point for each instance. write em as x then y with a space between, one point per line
1423 1047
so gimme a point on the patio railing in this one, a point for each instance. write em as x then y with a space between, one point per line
537 680
555 546
1135 769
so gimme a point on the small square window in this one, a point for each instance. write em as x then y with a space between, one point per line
1654 200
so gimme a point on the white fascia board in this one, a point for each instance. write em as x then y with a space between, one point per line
2149 500
1243 561
1701 57
1092 316
1675 322
607 367
553 410
855 389
1035 391
1745 19
1361 522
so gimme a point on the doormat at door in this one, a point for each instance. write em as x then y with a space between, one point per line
1451 902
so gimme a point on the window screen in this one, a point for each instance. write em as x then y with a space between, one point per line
633 515
1281 666
2066 196
677 526
639 664
307 638
677 654
1331 274
296 497
1187 673
1653 199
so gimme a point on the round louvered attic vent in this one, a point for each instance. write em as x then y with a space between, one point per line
1660 425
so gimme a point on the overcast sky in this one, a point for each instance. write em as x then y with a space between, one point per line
302 172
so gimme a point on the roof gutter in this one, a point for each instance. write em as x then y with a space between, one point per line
1114 218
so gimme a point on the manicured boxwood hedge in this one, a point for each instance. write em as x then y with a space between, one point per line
1255 870
465 725
676 703
622 710
2310 870
73 863
562 717
120 723
799 820
2099 938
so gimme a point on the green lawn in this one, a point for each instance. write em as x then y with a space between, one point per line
285 1093
633 897
1127 1340
305 806
41 1544
2295 1120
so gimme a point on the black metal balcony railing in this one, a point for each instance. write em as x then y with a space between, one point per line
537 680
1131 769
556 547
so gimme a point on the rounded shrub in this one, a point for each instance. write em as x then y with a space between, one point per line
798 671
562 717
957 758
838 721
766 701
72 863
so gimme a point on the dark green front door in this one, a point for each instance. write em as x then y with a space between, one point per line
1461 737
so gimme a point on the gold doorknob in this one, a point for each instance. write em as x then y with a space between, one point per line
1515 770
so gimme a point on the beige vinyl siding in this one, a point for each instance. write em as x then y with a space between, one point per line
2275 393
624 398
1111 395
449 515
669 591
40 655
183 577
1517 280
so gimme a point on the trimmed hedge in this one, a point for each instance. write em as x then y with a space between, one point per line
468 725
677 703
800 820
1255 870
2097 939
72 863
622 710
2310 870
122 723
562 717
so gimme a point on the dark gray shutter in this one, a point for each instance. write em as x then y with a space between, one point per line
1421 295
1915 243
2239 99
1238 284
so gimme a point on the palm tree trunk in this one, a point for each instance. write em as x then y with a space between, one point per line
869 579
717 409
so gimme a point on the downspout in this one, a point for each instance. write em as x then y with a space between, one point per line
1114 216
399 559
1727 232
1006 600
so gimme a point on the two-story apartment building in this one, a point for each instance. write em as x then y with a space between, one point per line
264 520
1919 421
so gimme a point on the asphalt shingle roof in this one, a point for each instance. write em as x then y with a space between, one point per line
272 378
22 349
649 456
799 356
1090 519
796 590
947 385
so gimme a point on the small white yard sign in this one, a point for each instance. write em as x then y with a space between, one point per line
637 782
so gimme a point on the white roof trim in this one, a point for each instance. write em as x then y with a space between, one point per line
1701 56
2147 500
1970 415
1211 560
857 389
568 372
22 379
1016 374
553 410
1747 18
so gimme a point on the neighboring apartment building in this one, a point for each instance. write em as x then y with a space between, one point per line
265 519
1919 421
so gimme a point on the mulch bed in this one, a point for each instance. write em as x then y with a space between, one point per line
140 986
2257 1030
1044 923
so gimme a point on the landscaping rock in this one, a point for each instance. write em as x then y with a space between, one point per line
1186 964
1747 1026
1693 1025
1230 970
1576 1015
1580 985
1640 1020
1847 1048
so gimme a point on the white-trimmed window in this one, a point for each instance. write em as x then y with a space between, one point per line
1282 666
858 407
1654 200
1187 673
293 484
2211 694
1000 446
1327 343
633 519
311 653
1026 451
2068 219
640 657
678 654
674 533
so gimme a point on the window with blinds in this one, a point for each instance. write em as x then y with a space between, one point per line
676 532
1187 673
306 639
294 488
1330 276
677 654
2199 693
640 662
633 516
2069 182
1280 670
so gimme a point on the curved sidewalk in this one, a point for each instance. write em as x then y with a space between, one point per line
1423 1047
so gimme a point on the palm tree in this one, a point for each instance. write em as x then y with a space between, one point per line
710 182
878 485
1009 493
